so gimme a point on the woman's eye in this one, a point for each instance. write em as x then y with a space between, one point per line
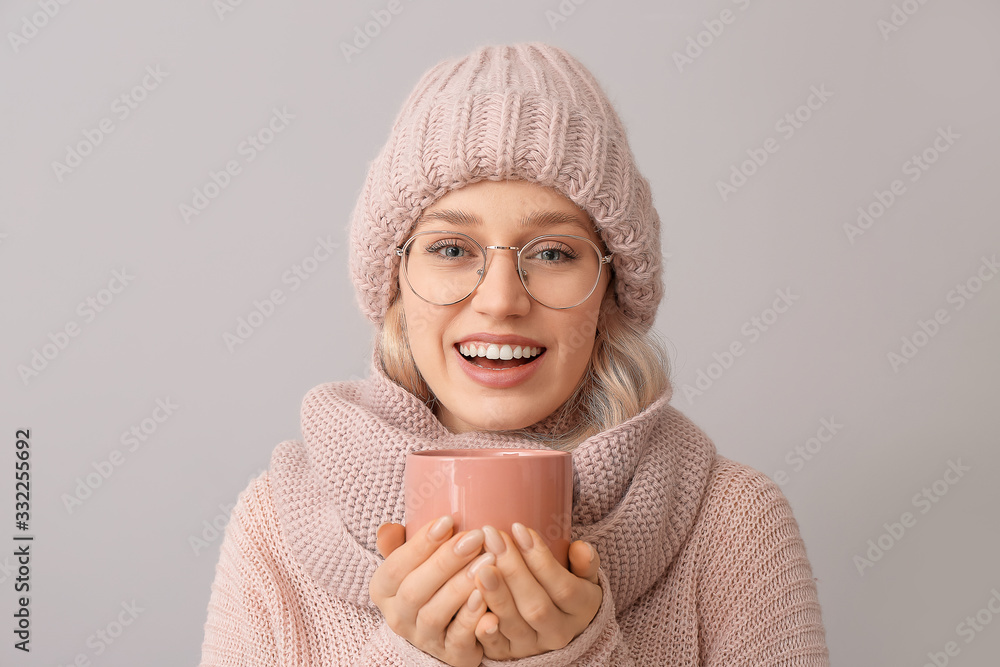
557 254
446 249
450 251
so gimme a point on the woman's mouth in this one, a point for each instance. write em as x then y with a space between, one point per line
492 356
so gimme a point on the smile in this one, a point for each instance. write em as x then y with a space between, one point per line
498 366
473 349
494 357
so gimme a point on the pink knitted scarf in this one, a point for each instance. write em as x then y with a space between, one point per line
636 493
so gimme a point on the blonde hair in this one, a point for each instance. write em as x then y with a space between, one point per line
628 370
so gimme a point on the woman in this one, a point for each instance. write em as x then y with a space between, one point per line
507 250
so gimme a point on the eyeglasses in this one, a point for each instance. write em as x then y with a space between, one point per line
559 270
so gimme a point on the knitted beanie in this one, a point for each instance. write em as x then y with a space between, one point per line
526 111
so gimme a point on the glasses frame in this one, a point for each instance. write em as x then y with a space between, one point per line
521 273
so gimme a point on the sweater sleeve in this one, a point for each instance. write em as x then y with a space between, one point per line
760 603
256 619
238 630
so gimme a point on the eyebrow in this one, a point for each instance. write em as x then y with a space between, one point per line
539 219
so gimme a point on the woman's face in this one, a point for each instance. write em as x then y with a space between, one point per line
481 393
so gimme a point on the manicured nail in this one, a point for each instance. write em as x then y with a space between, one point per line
489 579
486 559
470 543
475 600
441 528
522 536
494 542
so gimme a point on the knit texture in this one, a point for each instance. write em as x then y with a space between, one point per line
526 111
702 562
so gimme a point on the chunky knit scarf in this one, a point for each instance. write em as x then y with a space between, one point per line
636 492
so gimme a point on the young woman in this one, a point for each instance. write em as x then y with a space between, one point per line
508 252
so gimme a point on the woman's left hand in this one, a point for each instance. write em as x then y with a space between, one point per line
535 604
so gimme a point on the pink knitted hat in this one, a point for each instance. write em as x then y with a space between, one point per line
526 111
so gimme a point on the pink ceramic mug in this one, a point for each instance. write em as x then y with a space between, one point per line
495 487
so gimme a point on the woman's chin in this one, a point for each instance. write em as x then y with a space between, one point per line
493 417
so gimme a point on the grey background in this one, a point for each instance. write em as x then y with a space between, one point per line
135 538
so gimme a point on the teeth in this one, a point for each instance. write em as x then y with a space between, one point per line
494 351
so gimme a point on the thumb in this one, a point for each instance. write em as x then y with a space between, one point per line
580 562
390 537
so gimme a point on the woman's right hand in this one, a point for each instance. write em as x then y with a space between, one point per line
421 598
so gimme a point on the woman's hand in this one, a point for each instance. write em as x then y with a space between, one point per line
424 589
536 605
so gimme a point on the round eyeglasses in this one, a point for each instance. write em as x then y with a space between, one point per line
558 271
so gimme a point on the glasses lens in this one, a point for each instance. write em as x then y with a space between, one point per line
442 267
560 271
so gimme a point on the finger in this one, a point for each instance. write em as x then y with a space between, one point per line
424 580
501 602
390 537
517 575
563 588
584 561
435 615
408 556
495 645
461 633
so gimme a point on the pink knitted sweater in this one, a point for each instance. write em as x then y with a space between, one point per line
701 559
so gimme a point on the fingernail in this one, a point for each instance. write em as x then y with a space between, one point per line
489 579
440 528
485 559
475 600
522 536
593 552
470 543
492 630
494 542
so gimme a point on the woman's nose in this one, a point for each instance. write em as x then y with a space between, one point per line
501 294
